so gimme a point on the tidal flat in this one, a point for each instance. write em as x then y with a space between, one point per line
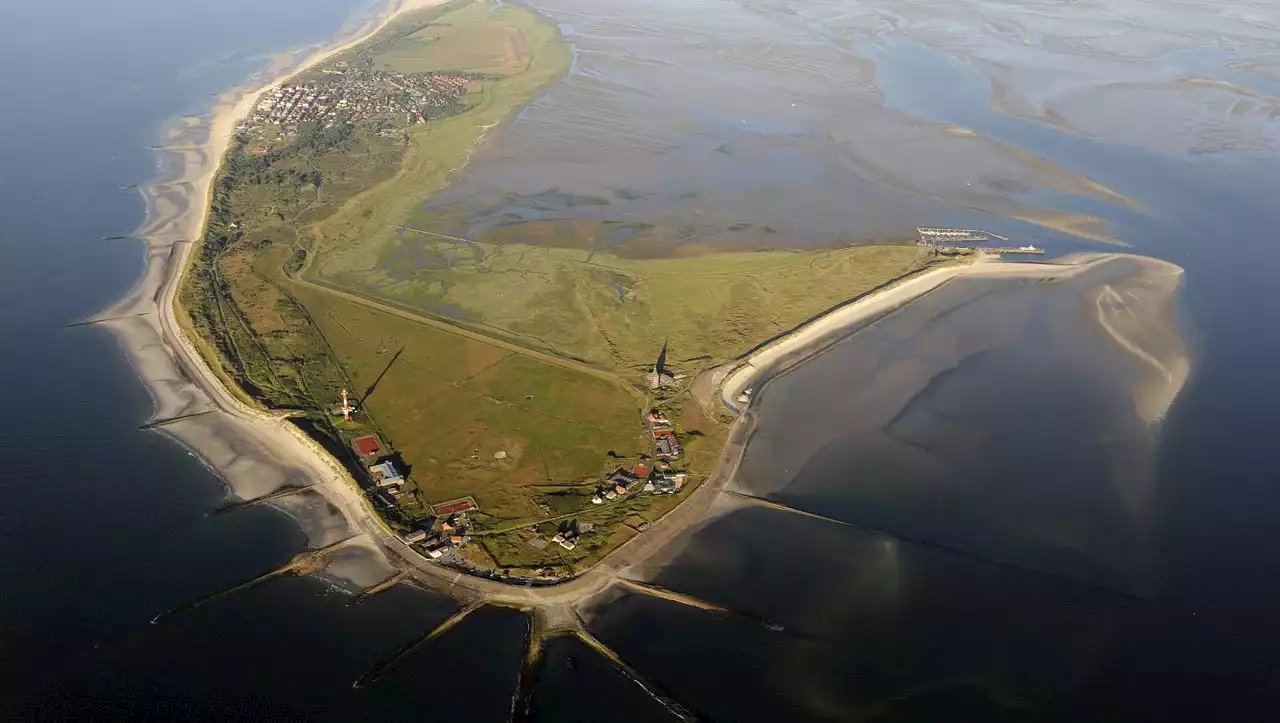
919 499
780 122
1015 420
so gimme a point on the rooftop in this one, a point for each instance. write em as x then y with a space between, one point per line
367 446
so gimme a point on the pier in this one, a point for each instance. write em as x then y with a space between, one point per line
384 667
173 420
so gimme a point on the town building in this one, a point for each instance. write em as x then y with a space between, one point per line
384 471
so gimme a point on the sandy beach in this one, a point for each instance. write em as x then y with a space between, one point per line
811 338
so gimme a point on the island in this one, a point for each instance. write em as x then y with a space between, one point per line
518 402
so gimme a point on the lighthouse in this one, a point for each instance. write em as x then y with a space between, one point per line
347 409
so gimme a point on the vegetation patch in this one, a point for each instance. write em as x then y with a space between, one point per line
616 312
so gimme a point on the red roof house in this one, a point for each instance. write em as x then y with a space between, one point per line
367 446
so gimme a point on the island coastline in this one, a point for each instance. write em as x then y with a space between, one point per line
152 304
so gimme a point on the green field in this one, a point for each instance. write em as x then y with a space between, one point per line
616 312
448 404
476 38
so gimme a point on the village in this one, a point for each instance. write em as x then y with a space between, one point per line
349 94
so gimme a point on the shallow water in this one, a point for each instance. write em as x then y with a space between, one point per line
993 416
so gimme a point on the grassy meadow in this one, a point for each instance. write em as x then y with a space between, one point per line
449 404
615 312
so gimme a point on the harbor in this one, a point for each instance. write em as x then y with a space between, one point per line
936 240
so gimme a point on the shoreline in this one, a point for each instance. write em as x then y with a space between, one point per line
239 442
730 381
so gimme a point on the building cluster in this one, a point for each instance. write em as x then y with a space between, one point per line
353 95
666 445
622 482
567 536
665 483
439 538
438 535
388 482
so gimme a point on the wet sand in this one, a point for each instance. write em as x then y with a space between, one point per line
810 339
